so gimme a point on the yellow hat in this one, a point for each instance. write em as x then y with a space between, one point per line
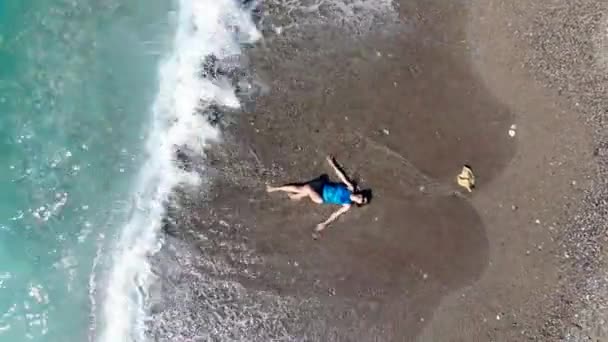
466 178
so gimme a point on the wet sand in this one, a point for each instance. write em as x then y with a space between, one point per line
402 109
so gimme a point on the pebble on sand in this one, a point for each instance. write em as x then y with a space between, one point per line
512 130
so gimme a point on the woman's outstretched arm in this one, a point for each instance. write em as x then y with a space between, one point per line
332 217
340 174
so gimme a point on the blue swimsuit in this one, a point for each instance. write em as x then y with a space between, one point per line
336 193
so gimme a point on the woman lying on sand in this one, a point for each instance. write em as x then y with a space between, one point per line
323 191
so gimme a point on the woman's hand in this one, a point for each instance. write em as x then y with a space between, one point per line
316 234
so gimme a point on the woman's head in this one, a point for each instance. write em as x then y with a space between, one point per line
360 197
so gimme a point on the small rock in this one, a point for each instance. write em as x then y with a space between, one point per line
498 317
512 130
514 207
385 131
424 276
600 151
537 221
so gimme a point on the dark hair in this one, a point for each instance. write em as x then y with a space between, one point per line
367 196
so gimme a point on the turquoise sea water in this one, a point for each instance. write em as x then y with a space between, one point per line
77 80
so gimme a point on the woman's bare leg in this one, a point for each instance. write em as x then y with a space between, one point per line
314 196
294 189
298 196
298 192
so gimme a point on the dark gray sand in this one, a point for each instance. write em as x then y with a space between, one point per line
403 96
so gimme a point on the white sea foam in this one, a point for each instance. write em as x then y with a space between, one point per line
204 27
93 288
